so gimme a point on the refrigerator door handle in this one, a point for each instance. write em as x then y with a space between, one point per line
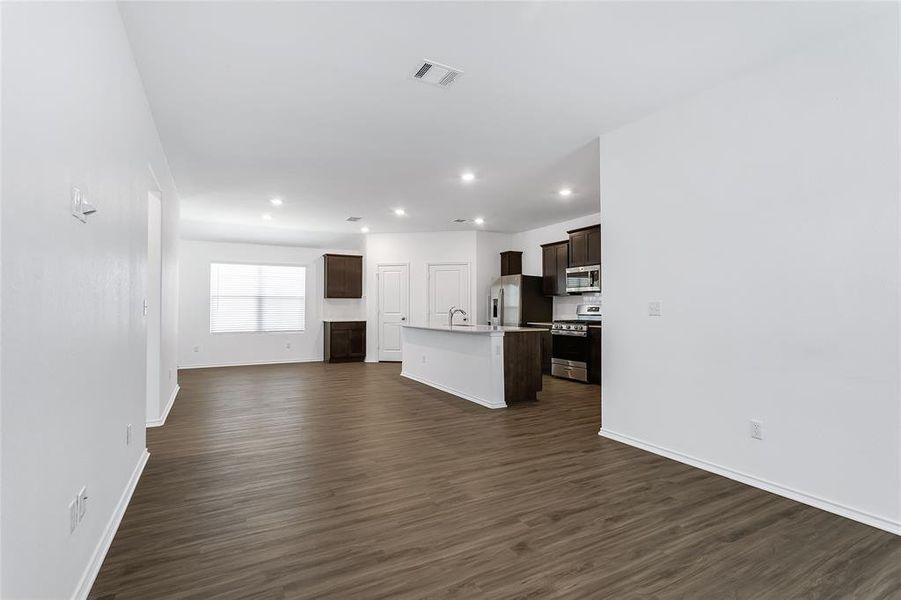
501 302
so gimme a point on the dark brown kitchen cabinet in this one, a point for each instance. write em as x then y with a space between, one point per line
344 341
554 260
594 354
547 344
511 263
585 246
343 276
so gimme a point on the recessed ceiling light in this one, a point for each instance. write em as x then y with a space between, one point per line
400 212
468 176
364 229
267 217
566 192
276 202
479 221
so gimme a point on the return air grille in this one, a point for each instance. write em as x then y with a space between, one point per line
436 73
353 219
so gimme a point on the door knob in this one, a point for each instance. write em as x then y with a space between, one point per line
403 318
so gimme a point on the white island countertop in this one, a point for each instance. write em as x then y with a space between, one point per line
488 365
482 329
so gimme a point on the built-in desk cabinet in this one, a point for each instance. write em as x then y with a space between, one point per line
344 341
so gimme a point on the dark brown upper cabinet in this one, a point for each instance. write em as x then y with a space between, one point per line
585 246
554 260
343 276
511 263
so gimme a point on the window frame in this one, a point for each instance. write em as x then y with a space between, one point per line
305 268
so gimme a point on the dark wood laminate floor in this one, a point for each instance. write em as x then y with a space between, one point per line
345 481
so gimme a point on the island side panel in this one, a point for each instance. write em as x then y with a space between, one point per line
522 365
463 364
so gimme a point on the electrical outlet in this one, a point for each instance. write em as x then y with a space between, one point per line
82 503
423 359
288 345
756 429
128 435
73 514
654 309
196 348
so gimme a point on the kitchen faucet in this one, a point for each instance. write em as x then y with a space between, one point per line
450 315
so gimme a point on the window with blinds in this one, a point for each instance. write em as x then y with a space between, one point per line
256 298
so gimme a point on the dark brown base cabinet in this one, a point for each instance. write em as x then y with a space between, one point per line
594 355
547 345
344 341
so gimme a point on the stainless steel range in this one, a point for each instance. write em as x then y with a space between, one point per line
569 356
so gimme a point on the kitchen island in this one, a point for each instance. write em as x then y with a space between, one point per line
488 365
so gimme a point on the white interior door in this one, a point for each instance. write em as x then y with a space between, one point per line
448 286
394 308
152 302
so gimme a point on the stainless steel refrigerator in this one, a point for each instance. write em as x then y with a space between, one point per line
515 300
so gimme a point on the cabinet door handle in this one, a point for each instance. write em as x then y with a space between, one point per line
403 318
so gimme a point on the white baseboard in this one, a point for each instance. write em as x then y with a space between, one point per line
458 393
848 512
250 364
162 420
90 573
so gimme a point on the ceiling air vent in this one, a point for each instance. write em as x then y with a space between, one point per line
353 219
437 74
461 220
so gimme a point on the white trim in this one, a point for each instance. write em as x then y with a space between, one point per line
458 393
848 512
90 573
162 420
250 364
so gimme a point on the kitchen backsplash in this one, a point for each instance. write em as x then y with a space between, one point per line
565 306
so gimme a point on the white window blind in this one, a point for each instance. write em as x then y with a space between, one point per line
256 298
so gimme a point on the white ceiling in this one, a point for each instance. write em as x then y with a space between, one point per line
314 103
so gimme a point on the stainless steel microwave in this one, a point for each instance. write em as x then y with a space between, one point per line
583 279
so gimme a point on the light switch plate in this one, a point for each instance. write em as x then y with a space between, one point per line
73 514
77 202
82 503
655 309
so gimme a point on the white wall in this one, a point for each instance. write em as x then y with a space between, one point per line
489 246
530 243
223 349
764 215
419 250
73 371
